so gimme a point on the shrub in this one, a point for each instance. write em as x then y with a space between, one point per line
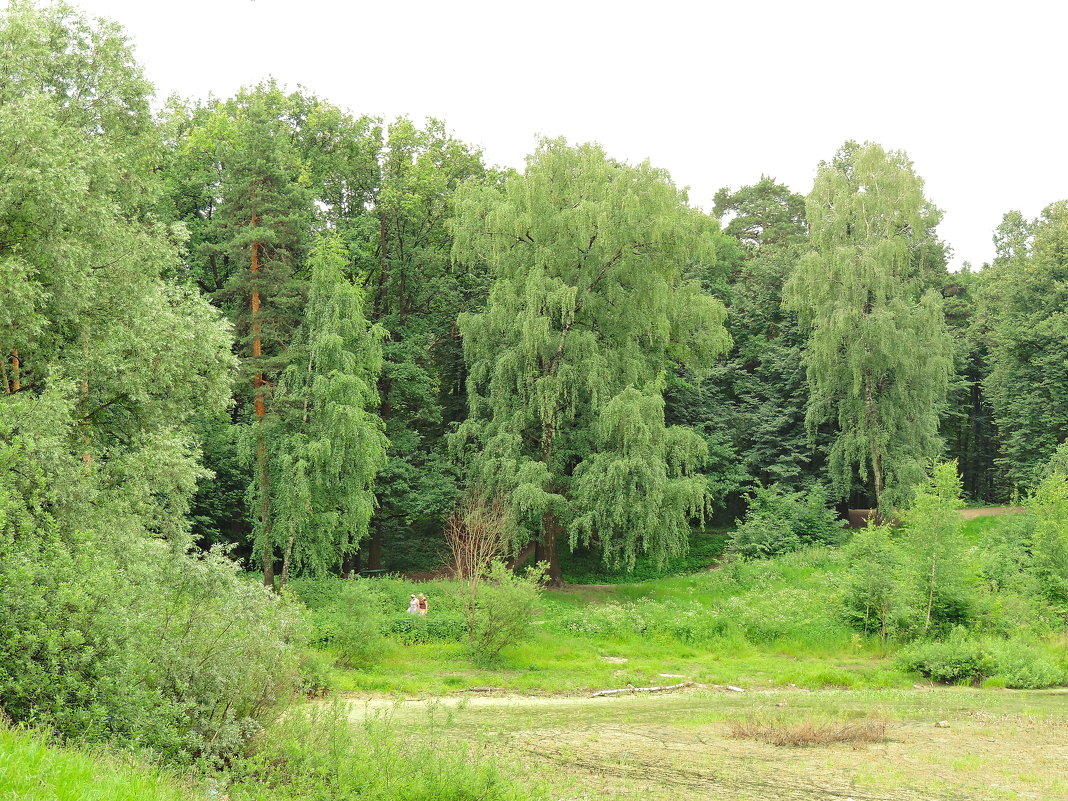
778 522
956 660
1007 663
129 639
873 596
349 619
414 629
1049 540
1023 666
499 605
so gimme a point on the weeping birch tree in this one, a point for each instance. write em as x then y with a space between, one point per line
587 312
332 445
878 354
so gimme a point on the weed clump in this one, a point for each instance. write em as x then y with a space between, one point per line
808 733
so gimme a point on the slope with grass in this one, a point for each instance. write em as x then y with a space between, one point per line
774 622
33 767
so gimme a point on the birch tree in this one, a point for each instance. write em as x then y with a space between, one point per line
878 353
587 312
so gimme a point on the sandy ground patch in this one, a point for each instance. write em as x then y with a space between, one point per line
999 744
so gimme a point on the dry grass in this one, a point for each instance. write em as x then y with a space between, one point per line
807 733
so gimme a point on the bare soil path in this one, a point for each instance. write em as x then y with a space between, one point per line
997 744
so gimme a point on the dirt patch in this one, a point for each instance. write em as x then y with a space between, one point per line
989 511
1000 745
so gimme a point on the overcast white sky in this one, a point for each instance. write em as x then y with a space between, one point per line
718 93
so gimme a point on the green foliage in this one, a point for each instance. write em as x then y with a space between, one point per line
967 425
324 459
1022 665
439 627
873 596
960 659
587 310
764 215
498 606
778 522
879 354
957 660
1049 539
1023 324
416 292
350 622
585 565
130 640
781 602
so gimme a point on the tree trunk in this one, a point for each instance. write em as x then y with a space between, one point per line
547 549
261 412
16 381
268 567
374 553
930 595
286 560
877 471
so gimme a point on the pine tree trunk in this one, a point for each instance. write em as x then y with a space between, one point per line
261 412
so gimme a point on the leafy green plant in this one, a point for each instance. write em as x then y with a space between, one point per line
129 640
499 607
778 522
1024 666
957 660
873 595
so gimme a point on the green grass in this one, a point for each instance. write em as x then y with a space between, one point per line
767 623
35 768
585 566
669 746
763 624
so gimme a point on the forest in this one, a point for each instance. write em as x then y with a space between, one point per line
270 367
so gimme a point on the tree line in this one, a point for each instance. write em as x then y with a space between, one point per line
268 321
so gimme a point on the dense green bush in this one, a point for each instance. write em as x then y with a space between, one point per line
438 627
349 617
961 659
779 522
956 660
498 607
136 641
1024 666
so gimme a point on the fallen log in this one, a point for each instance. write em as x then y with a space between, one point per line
630 689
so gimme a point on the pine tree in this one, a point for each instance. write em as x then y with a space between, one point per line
250 253
878 354
587 311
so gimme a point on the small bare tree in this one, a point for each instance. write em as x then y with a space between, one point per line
475 535
497 603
